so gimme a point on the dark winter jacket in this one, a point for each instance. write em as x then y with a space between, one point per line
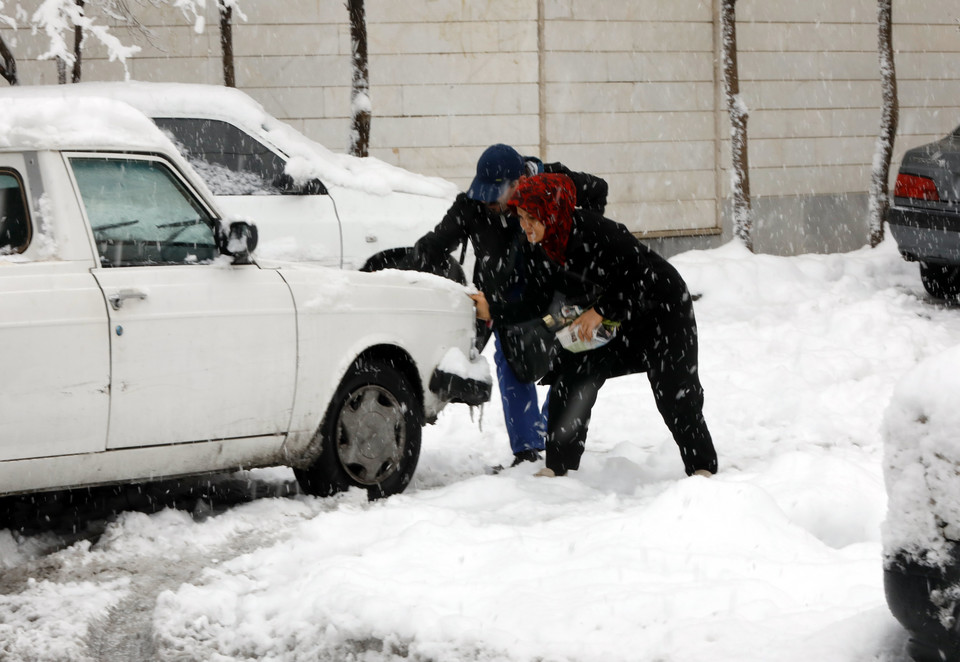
505 261
591 191
513 275
608 268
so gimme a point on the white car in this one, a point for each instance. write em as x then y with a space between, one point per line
140 339
309 203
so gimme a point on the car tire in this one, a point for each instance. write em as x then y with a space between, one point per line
402 258
941 281
370 434
454 271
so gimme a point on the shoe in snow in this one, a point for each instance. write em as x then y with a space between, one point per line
529 455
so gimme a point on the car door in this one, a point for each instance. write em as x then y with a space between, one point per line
200 349
54 349
250 183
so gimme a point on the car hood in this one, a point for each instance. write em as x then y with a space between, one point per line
384 277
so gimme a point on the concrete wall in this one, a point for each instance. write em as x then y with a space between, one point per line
809 74
627 90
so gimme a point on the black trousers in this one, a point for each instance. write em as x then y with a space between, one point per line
668 353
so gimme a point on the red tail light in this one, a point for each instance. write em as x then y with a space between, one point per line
918 188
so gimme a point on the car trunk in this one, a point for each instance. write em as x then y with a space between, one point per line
940 162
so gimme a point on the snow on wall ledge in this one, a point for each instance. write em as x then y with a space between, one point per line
922 462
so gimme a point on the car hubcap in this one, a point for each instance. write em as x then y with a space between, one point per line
371 435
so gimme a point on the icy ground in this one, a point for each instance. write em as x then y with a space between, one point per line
777 558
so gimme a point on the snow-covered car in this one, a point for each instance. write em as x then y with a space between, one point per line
309 203
140 339
921 534
925 216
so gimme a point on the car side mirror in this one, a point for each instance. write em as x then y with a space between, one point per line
285 184
313 187
239 241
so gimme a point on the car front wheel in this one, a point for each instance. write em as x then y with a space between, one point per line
941 281
370 435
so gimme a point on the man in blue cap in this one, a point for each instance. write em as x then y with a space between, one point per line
506 266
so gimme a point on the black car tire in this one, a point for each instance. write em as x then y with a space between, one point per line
454 271
941 281
370 434
919 596
402 258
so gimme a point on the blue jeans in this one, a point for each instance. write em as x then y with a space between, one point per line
526 423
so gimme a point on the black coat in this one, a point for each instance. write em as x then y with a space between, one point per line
608 268
591 190
513 275
505 261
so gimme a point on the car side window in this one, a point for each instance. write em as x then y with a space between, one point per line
141 214
15 228
230 161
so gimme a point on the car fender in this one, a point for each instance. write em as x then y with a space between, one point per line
341 315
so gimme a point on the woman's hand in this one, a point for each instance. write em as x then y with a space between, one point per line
586 325
483 308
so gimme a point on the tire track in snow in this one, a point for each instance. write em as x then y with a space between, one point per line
126 635
64 546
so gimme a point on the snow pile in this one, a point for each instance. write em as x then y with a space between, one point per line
778 557
923 462
48 621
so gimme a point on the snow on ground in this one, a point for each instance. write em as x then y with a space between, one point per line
778 557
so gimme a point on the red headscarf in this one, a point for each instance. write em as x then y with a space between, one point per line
550 198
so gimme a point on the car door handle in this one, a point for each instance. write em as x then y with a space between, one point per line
116 300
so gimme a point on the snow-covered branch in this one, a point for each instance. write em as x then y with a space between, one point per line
58 18
194 10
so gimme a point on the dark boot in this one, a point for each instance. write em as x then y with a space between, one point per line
525 456
518 459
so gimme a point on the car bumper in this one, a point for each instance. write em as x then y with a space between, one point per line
451 387
926 235
923 600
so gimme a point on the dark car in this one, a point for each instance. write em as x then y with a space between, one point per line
921 533
925 216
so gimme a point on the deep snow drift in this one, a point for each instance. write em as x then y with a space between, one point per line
778 557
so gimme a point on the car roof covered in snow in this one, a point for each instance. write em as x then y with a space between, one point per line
306 158
92 123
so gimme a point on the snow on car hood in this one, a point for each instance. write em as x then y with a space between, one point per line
344 278
308 159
